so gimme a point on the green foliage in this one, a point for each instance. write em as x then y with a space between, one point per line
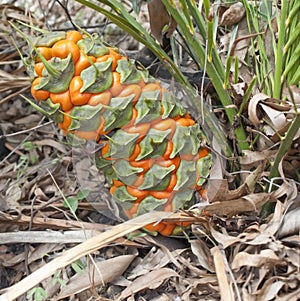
264 20
38 294
71 202
26 159
56 278
77 266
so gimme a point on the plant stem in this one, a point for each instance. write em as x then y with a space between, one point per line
199 55
279 53
285 145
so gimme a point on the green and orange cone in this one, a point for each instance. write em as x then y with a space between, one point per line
153 153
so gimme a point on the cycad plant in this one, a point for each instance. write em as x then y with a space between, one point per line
273 64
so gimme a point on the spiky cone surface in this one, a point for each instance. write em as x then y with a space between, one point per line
153 153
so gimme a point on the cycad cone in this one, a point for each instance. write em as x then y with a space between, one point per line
153 152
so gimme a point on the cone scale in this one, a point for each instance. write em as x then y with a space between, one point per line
152 153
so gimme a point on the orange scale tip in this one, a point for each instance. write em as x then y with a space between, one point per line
112 189
63 99
164 125
83 62
77 98
183 121
145 164
64 47
139 194
161 195
168 150
132 89
155 227
141 129
105 150
135 153
151 87
46 52
115 53
168 230
67 120
74 35
100 98
172 183
203 152
38 94
91 135
105 57
167 163
116 87
117 183
38 68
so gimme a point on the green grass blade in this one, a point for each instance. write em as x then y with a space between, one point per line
279 53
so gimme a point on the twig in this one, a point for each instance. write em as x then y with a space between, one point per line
52 237
26 131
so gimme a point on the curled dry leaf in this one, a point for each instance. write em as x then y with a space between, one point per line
234 14
159 19
290 224
254 116
277 114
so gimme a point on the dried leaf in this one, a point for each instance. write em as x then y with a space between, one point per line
254 116
155 259
151 280
99 274
270 289
234 14
290 223
249 203
265 257
159 19
201 250
55 144
255 158
222 274
218 190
